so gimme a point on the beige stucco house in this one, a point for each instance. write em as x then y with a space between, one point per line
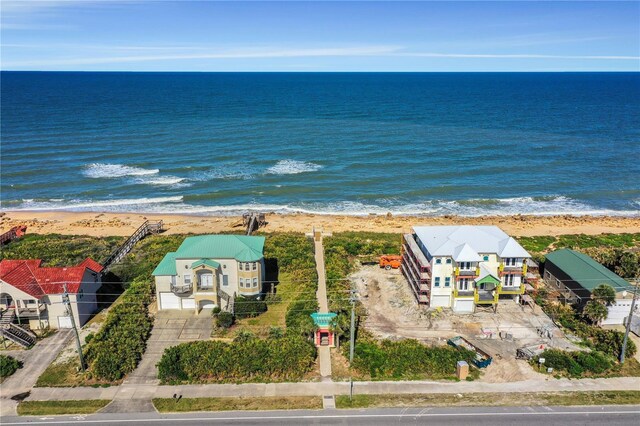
209 271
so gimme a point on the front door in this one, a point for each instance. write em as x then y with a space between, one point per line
206 281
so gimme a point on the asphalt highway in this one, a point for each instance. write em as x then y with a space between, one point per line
478 416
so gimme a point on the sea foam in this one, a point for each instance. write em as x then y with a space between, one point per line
102 170
292 167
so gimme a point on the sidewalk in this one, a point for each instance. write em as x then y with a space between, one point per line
333 388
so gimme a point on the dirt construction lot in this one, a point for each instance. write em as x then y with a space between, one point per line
394 313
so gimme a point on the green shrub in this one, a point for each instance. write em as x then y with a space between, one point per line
8 366
117 347
249 307
576 364
224 319
251 359
407 359
216 310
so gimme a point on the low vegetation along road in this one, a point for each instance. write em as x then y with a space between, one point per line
593 415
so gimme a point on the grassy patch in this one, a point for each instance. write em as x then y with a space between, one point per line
44 408
61 250
493 399
170 405
543 244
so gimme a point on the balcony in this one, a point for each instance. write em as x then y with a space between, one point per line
423 298
462 294
466 272
512 270
424 287
487 297
516 289
31 311
181 289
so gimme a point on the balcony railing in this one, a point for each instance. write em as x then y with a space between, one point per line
515 289
181 289
486 296
466 272
31 311
512 269
463 293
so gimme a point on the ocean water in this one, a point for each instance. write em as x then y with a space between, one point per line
334 143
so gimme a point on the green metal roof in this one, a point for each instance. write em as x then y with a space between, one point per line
207 262
239 247
586 271
323 320
167 265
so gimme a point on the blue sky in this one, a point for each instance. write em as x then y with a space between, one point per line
320 36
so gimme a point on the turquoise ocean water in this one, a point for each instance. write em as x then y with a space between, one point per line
349 143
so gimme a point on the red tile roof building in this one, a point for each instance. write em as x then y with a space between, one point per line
37 281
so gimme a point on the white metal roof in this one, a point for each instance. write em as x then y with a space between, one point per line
467 241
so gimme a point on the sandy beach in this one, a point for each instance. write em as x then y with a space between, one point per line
105 224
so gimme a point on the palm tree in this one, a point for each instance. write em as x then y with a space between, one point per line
604 294
595 311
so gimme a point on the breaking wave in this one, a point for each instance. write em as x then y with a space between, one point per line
102 170
292 167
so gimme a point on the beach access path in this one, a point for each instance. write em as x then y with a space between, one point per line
324 353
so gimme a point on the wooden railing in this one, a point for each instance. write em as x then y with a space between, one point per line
145 229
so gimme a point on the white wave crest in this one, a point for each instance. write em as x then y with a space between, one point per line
292 167
150 204
162 180
102 170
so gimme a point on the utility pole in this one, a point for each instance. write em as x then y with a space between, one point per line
352 299
628 328
67 303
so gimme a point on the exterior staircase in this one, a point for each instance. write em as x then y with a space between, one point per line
145 229
17 334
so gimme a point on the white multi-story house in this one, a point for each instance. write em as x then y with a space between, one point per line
460 267
210 270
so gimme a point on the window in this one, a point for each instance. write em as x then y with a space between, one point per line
241 282
255 265
246 266
438 261
465 265
255 282
187 278
463 284
240 266
508 280
33 301
437 281
448 260
558 282
225 280
547 274
485 257
447 281
173 280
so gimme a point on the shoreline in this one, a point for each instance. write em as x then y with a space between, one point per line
120 224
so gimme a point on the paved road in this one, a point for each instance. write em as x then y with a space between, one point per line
35 361
490 416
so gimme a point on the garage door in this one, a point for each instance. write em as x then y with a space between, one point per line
207 304
440 301
463 306
188 304
169 301
64 322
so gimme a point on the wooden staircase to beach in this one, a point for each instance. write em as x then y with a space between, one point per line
147 228
253 221
12 234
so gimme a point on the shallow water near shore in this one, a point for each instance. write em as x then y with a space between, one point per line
337 143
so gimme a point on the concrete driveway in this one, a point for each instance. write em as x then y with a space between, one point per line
170 328
35 361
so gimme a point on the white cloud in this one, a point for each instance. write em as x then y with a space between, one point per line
515 56
229 54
